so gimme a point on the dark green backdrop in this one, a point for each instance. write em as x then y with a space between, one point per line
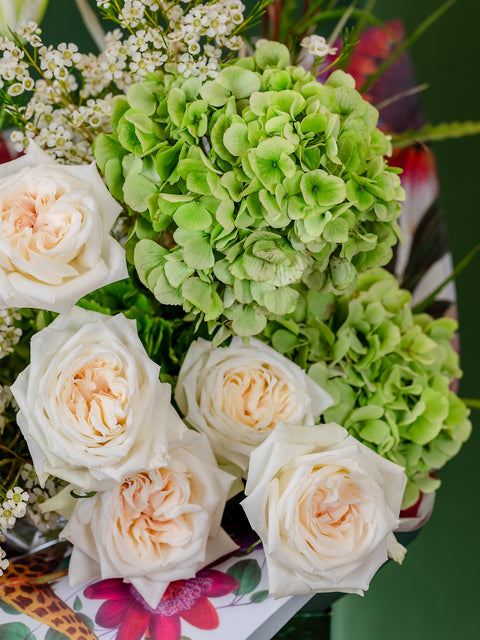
436 594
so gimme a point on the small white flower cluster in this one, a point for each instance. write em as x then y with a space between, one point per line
50 117
13 508
194 39
318 46
6 398
37 496
9 333
71 100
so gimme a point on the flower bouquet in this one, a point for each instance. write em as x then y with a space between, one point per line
203 297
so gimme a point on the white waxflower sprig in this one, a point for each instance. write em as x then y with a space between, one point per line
318 46
13 508
37 496
70 92
9 335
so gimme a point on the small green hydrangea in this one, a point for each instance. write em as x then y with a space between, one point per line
249 185
388 369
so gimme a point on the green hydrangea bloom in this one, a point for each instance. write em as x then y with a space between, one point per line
249 185
388 369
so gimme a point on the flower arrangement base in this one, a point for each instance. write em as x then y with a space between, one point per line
307 626
227 599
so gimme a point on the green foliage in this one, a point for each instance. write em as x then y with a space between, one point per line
389 371
251 184
435 133
15 631
248 574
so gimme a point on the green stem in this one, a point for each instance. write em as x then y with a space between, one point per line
408 42
472 403
456 272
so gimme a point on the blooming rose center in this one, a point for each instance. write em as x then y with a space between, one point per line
331 508
30 212
257 397
97 395
153 512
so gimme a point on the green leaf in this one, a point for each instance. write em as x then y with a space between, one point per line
198 254
248 575
114 177
199 293
283 340
141 122
241 82
259 596
167 159
272 54
214 94
323 190
77 605
248 321
106 147
137 192
176 272
176 105
16 631
5 606
193 215
142 99
88 621
235 139
148 255
127 136
53 634
281 301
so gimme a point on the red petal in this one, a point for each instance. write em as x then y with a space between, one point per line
111 613
110 589
164 627
202 615
135 623
222 583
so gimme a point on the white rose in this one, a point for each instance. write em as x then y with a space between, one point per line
325 507
55 245
92 408
155 527
237 394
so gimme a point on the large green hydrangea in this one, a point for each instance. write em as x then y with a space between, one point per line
388 369
250 185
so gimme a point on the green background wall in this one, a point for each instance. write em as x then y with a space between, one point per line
436 594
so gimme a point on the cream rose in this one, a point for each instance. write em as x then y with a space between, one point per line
92 408
237 394
54 233
325 507
156 526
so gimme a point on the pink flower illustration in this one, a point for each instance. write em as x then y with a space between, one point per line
184 599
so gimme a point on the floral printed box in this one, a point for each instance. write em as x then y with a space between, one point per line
229 598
